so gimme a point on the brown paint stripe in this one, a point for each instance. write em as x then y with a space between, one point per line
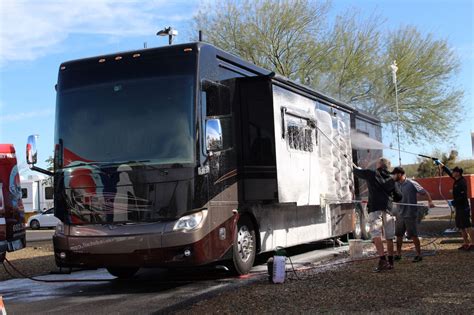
226 176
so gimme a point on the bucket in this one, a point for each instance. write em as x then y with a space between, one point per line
276 266
355 249
279 269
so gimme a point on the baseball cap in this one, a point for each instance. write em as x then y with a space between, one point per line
398 170
457 169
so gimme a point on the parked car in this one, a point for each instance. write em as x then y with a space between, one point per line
45 219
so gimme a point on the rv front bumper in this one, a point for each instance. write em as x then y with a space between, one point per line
161 248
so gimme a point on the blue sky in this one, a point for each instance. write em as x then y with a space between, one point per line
36 36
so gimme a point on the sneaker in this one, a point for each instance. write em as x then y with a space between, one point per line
464 247
397 257
417 259
383 265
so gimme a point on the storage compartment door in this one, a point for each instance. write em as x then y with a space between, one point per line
295 146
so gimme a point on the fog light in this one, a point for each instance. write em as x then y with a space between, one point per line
187 253
62 255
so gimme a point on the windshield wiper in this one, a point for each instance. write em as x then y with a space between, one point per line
95 164
142 162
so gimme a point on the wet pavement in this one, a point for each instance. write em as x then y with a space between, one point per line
151 291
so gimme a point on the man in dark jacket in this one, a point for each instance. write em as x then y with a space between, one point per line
380 185
461 205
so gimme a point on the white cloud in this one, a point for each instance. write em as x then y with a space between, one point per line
25 115
30 28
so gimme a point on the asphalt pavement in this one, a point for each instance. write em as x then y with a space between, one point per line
151 291
39 235
441 210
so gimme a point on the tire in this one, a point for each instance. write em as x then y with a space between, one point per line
244 247
35 225
122 272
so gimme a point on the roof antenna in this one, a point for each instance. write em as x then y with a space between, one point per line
200 35
144 44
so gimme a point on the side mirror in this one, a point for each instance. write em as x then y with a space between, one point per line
31 153
214 135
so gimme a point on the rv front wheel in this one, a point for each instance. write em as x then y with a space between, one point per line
244 247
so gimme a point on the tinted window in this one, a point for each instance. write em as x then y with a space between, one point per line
300 138
24 193
135 111
258 138
48 193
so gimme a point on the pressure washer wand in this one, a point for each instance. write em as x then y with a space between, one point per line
417 154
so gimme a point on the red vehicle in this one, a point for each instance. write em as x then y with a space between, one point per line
12 227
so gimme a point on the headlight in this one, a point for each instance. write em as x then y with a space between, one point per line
189 222
60 228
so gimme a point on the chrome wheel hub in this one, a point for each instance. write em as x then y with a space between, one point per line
244 243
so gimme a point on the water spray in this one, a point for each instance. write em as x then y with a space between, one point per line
336 146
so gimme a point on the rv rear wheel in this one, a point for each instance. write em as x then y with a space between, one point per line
122 272
34 225
244 248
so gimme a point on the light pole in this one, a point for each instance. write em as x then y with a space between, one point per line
394 68
168 31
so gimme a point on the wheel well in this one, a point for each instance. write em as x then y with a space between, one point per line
255 225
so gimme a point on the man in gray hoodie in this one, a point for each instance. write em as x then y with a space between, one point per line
406 214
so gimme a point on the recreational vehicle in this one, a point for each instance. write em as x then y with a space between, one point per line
37 194
187 155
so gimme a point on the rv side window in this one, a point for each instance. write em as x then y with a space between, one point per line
48 193
217 98
300 138
24 193
308 137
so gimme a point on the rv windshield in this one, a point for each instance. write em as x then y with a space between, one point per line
130 111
